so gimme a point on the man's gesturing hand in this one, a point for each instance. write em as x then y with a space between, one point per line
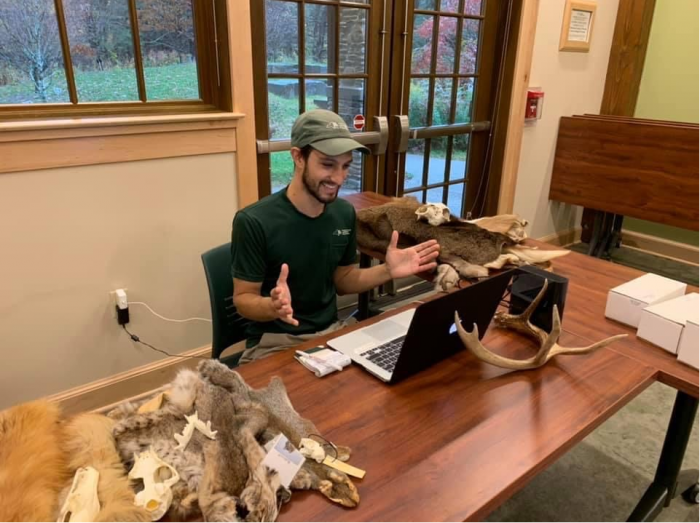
282 298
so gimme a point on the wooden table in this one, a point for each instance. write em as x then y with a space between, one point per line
590 279
458 439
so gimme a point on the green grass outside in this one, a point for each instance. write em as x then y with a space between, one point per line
167 82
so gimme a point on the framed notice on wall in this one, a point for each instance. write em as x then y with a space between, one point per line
577 27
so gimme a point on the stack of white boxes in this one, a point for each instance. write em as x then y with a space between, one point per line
663 313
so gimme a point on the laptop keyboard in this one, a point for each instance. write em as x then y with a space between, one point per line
385 355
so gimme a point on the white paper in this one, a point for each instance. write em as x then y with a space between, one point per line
579 26
283 457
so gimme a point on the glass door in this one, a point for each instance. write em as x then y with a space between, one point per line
446 81
315 54
426 73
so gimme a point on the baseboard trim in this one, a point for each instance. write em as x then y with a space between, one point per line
661 247
132 383
563 238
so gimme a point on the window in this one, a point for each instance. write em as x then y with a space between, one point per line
112 57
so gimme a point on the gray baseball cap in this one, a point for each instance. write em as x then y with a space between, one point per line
326 132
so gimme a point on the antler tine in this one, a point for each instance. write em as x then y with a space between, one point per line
472 343
521 322
547 351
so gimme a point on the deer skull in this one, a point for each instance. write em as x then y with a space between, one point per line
157 477
434 213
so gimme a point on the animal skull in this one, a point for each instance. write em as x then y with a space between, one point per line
157 477
82 503
434 213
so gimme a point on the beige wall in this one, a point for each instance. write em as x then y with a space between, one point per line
70 236
573 84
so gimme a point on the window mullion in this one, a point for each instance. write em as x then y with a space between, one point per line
138 60
65 47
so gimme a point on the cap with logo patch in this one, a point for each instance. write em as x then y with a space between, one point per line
326 132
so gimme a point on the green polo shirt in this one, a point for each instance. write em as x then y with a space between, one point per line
271 232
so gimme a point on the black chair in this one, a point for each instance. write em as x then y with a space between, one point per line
228 327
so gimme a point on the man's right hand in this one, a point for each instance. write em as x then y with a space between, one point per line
282 298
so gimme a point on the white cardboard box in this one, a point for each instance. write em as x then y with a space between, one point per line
662 324
688 351
627 301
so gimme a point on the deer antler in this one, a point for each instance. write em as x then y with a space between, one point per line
521 323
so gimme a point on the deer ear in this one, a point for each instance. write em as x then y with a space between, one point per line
446 213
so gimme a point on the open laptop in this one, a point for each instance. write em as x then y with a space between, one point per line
413 340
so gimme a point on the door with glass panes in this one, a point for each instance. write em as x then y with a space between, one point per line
417 80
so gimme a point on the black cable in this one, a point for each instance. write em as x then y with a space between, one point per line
135 338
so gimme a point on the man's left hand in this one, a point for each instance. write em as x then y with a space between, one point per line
406 262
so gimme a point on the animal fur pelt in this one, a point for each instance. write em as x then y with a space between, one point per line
224 478
89 442
33 468
467 249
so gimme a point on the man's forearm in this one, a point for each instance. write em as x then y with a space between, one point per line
361 280
254 307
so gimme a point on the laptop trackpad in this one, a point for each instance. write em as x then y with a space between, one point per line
385 331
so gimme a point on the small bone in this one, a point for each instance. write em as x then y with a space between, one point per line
193 422
312 449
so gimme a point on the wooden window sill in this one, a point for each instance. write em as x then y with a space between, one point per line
45 144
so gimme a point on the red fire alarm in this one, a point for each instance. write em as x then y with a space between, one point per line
535 100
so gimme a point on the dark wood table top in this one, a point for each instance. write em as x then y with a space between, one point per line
589 282
644 169
590 279
456 440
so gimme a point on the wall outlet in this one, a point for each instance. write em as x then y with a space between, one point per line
121 305
115 299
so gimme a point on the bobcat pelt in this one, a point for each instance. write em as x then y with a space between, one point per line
89 442
467 249
224 478
33 468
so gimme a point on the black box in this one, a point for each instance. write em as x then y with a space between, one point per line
527 283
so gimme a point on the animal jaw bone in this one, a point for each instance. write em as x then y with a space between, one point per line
158 477
521 323
193 422
82 503
434 213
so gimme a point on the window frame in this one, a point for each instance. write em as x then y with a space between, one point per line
210 19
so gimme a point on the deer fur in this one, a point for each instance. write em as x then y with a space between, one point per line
224 479
468 247
33 467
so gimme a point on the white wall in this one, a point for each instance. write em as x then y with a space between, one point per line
69 236
573 84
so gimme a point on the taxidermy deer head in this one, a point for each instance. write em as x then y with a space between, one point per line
521 323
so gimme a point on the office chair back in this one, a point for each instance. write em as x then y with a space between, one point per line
228 327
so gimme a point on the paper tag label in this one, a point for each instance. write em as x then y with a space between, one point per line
283 457
344 467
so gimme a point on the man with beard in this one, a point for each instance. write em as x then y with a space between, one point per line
294 250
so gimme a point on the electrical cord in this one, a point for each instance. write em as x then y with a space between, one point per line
136 339
168 319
